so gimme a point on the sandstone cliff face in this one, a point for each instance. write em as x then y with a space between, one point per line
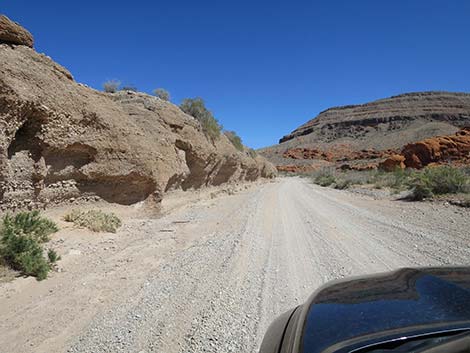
379 128
61 140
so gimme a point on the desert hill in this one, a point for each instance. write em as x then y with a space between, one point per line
373 130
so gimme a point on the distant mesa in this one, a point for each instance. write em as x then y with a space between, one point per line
364 136
386 114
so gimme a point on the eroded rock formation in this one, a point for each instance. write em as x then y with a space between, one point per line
438 150
61 140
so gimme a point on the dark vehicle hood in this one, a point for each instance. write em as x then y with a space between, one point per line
388 306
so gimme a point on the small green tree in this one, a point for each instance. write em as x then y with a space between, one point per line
111 86
196 108
234 139
162 94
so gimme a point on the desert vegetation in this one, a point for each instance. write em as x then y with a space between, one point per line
421 184
131 88
94 220
252 153
325 177
197 109
162 94
21 244
111 86
234 139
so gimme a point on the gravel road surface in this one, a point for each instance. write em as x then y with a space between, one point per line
210 276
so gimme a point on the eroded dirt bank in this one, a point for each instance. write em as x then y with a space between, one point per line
211 274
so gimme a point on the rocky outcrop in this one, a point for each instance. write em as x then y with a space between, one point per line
441 149
307 153
339 154
12 33
60 140
453 149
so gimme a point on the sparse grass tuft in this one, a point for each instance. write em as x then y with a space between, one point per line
21 237
52 256
95 220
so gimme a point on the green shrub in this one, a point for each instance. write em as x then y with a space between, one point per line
396 180
420 190
234 139
95 220
111 86
438 181
196 108
32 224
324 178
162 94
342 184
355 177
20 238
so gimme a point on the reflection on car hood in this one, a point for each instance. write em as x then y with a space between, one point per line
405 301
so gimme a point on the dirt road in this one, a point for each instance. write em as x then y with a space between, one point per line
210 276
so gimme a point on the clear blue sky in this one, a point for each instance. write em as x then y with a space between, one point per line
263 67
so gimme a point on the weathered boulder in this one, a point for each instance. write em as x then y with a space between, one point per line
12 33
392 163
